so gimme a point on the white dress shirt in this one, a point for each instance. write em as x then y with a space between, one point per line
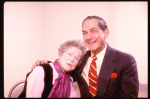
99 61
35 83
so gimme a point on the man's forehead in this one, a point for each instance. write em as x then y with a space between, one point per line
91 24
93 20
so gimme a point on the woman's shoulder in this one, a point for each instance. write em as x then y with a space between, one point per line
47 67
37 71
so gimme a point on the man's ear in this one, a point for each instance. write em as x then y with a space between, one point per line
106 32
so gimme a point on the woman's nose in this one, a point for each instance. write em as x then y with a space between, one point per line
72 59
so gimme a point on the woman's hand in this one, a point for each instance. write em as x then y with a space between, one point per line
38 62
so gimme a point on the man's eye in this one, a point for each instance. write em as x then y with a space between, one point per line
94 30
84 33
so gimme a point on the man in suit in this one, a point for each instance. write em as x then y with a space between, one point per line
116 72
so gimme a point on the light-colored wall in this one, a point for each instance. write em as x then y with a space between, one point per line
34 30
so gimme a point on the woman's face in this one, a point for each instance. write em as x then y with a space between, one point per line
70 58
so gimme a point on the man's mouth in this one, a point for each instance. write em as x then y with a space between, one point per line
91 42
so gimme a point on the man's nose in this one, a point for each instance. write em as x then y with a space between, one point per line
89 35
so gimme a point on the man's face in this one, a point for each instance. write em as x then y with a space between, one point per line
94 37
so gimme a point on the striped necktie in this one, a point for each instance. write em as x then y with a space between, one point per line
93 77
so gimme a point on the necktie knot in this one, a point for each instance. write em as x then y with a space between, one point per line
94 57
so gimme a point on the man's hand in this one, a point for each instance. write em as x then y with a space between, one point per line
38 62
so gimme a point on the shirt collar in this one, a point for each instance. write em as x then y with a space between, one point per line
101 53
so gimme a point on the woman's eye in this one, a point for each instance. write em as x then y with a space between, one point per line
77 59
69 54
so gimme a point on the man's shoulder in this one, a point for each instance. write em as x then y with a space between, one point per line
123 55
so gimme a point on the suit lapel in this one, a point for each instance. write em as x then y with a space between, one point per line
80 80
107 68
84 91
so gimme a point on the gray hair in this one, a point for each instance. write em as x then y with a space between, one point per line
73 43
101 23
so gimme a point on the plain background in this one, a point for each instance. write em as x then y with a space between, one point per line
35 30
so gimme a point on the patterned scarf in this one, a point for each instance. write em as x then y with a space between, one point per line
61 87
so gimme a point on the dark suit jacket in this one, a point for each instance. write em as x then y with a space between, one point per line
125 85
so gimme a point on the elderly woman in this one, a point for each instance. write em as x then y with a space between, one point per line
57 83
